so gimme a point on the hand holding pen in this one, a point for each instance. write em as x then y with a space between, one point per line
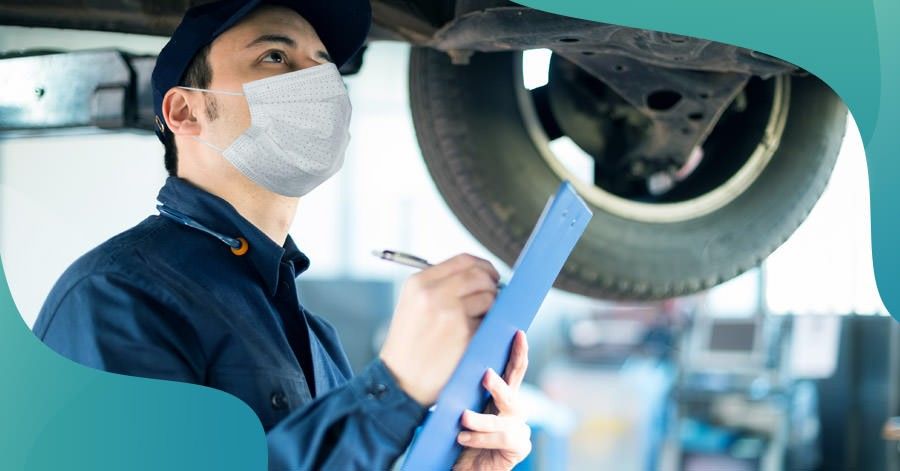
438 311
409 260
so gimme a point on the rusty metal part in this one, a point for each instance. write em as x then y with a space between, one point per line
401 22
683 105
681 84
519 28
156 17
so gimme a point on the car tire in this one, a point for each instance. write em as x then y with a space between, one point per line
484 162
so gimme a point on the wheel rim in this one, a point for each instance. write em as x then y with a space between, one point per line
668 212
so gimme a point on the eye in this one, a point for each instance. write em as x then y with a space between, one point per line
275 57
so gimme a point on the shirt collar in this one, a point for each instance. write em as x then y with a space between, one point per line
219 215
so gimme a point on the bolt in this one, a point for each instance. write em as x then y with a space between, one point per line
459 56
638 168
659 183
39 92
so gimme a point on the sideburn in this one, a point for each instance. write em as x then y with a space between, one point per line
212 106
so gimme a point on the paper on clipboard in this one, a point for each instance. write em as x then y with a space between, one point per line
563 221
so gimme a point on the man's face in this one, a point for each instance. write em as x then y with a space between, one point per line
272 40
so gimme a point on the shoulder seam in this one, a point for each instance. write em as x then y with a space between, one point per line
151 231
103 271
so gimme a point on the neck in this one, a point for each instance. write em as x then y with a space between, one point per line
270 212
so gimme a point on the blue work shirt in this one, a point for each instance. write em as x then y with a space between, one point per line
164 300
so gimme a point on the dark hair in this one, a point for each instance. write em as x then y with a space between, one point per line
198 75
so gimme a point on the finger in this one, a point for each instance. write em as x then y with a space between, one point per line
457 263
465 282
486 266
477 304
447 267
489 267
503 396
518 361
476 422
516 439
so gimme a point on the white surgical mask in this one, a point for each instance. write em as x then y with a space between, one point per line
299 129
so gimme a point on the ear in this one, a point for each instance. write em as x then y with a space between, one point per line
178 111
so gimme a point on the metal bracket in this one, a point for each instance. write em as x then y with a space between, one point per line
102 89
683 105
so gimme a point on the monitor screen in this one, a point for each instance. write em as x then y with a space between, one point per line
732 336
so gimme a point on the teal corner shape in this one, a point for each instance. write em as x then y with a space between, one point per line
56 414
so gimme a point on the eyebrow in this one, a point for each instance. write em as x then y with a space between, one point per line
323 55
287 41
272 38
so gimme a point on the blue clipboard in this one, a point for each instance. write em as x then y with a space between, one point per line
561 224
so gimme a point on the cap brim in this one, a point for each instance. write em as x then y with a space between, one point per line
342 25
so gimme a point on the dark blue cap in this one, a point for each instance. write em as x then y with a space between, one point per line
342 25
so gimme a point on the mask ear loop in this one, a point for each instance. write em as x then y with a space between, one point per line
208 90
208 144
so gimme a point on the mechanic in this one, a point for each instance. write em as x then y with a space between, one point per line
253 113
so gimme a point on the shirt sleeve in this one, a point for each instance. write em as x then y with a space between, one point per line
364 424
108 322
